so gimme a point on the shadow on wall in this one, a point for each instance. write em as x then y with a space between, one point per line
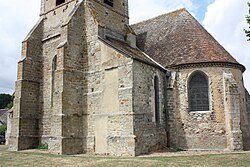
246 127
176 135
180 125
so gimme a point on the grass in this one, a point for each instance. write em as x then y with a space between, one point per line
27 159
42 147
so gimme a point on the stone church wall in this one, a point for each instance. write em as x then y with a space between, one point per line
79 94
108 95
110 118
61 91
248 103
150 135
207 130
70 93
246 124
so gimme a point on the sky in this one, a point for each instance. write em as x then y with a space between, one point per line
223 19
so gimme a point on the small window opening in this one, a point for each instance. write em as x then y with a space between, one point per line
109 2
54 67
59 2
157 99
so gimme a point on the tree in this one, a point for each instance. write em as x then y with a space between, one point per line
3 129
10 105
5 99
248 21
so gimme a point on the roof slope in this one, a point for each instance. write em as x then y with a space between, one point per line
134 53
177 38
3 116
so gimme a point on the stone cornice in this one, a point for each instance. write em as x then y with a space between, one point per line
209 64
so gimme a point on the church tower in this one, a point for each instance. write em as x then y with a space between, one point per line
59 56
112 15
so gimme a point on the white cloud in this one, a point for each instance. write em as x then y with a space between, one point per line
16 19
225 20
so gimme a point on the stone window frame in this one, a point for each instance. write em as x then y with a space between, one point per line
208 91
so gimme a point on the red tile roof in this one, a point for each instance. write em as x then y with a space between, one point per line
177 38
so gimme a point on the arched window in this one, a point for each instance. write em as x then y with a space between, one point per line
59 2
198 92
157 101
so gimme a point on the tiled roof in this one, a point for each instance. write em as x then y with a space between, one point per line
177 38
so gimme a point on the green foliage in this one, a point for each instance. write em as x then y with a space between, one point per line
3 129
10 105
5 99
42 146
248 21
179 149
176 149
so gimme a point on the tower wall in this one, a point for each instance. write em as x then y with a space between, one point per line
113 18
108 95
71 71
63 85
74 138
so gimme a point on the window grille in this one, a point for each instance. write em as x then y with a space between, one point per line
198 92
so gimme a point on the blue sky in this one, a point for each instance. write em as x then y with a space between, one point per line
201 8
224 19
152 7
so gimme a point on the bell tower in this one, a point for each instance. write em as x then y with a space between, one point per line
59 56
112 14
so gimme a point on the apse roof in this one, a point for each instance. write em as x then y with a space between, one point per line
177 38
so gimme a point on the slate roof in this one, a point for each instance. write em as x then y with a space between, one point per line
3 116
177 38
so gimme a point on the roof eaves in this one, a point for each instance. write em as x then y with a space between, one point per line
217 63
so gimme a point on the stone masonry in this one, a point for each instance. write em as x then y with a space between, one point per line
88 82
214 127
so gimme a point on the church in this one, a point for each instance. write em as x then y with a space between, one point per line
90 83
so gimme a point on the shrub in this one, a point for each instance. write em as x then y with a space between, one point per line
42 146
5 99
